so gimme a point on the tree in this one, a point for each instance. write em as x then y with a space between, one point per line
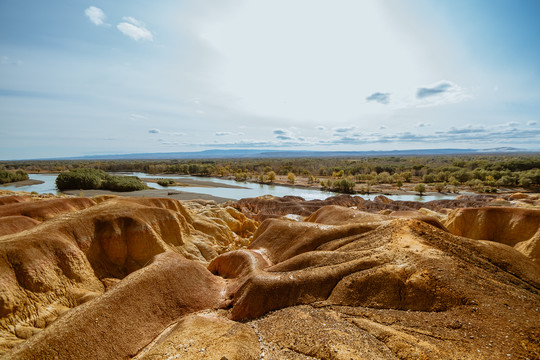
343 185
406 176
290 177
420 188
429 178
271 175
440 187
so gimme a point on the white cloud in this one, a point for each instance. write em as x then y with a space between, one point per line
531 123
154 131
135 29
96 15
228 133
421 125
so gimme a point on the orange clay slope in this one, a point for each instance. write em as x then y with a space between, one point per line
131 279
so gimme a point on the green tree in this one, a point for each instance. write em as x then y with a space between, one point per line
440 187
420 188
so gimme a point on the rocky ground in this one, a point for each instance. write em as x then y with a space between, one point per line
110 277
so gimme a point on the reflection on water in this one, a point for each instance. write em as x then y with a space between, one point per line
251 189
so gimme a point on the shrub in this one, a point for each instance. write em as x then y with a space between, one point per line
123 183
80 179
165 182
12 176
88 179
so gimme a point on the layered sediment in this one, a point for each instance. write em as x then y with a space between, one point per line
148 278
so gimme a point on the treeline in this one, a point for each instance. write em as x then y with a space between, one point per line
12 176
89 178
490 170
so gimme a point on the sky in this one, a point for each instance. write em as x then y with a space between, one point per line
100 77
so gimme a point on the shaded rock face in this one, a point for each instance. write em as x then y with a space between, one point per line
153 279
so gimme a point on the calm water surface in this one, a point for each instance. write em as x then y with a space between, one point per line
250 189
254 190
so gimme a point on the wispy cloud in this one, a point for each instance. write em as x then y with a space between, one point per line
531 123
135 29
421 124
5 60
228 133
454 135
96 15
343 129
154 131
136 116
381 98
469 129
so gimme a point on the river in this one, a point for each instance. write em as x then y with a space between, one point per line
249 189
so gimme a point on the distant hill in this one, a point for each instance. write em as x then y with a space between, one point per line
242 153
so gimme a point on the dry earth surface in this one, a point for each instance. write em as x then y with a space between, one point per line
110 277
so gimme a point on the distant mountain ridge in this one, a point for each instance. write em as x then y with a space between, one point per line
243 153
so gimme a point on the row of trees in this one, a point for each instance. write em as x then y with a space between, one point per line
491 170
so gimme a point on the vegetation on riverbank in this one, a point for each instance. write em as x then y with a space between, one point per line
7 177
93 179
479 173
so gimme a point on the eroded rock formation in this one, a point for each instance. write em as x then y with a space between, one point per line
151 279
514 227
79 247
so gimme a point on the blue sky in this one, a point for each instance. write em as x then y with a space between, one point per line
99 77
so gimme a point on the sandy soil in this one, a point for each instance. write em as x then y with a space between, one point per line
196 183
173 194
24 183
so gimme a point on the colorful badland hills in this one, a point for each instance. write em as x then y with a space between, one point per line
269 278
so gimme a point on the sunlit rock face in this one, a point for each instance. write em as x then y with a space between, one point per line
119 278
56 254
516 227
